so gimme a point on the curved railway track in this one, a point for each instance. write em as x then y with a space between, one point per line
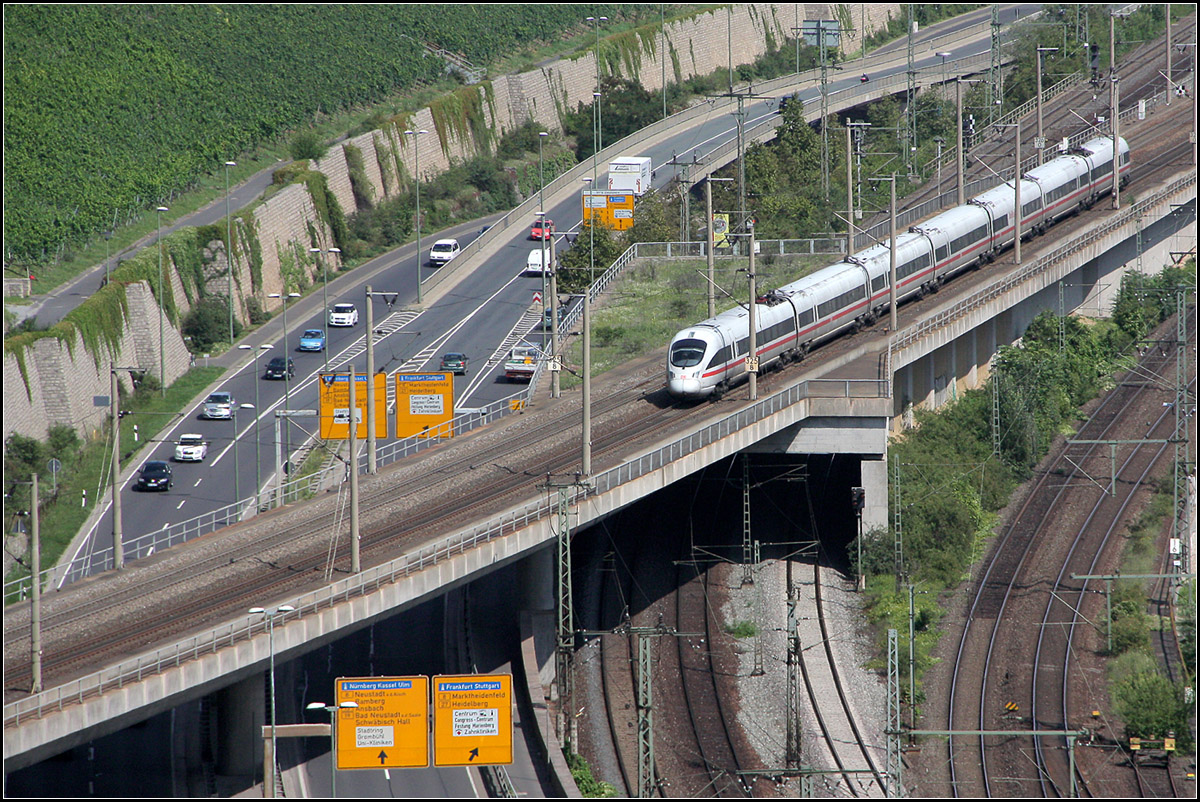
1018 573
216 577
843 750
694 648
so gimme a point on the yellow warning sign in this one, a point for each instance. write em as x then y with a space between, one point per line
333 391
424 404
472 720
390 727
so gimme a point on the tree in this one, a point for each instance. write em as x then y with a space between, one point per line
576 265
1151 705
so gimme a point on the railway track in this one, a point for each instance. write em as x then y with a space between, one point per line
1069 114
216 577
842 752
1029 570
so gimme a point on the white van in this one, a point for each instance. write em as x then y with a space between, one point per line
443 251
534 263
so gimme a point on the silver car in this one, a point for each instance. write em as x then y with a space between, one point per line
219 406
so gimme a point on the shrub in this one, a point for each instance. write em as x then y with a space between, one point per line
208 323
307 145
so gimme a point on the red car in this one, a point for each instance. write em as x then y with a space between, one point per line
542 229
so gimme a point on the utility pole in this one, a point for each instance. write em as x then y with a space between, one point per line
893 320
1114 108
850 196
910 145
115 409
1041 138
390 299
752 356
556 363
740 115
354 562
35 575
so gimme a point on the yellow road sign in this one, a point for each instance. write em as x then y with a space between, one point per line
333 395
472 720
424 403
390 727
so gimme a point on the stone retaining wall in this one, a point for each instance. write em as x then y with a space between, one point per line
63 380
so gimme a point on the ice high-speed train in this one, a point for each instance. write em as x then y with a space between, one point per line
710 356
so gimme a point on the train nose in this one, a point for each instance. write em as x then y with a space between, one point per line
681 387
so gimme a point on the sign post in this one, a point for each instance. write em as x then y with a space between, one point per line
424 404
390 727
334 403
472 720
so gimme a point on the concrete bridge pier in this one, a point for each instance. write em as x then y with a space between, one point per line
241 712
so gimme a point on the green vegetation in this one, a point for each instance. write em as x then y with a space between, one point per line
110 110
1148 702
588 785
86 466
950 485
742 629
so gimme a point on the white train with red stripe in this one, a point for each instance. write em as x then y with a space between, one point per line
710 356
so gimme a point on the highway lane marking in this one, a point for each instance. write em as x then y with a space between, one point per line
180 504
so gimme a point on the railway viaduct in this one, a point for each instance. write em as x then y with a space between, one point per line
849 407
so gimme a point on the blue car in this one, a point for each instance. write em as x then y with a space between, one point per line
312 340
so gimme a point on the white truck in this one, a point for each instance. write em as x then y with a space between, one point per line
629 174
522 362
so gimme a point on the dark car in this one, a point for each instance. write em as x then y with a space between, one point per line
155 475
455 363
277 368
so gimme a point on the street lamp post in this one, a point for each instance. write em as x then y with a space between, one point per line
257 440
417 181
237 482
162 311
287 380
542 205
229 248
107 264
599 140
943 56
332 710
270 616
325 296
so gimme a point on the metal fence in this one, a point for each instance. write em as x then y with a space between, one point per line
174 655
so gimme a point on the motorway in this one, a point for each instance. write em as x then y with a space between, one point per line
481 316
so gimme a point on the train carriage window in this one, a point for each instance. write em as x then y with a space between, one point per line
806 316
687 353
1002 222
943 252
879 282
722 356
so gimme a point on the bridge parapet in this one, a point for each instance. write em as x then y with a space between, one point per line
173 672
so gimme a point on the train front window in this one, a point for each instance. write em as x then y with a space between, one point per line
687 353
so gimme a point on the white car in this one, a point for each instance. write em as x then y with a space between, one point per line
443 251
219 406
191 448
343 315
